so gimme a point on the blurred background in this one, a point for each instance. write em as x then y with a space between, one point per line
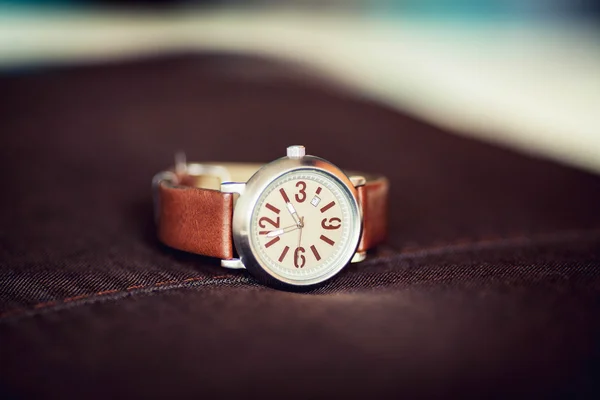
521 73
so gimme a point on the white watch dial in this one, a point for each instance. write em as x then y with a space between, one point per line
302 227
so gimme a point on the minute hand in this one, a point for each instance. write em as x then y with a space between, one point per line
281 231
292 211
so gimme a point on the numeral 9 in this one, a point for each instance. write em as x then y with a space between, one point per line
329 225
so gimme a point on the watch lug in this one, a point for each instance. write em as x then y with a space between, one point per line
233 187
234 263
357 180
359 256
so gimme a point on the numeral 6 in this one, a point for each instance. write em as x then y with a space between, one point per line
299 259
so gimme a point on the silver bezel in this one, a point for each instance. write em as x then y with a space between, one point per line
258 183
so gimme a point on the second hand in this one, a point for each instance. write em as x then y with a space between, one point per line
300 235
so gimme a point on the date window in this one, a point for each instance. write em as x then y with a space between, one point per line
315 201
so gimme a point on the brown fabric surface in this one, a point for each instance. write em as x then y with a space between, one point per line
487 286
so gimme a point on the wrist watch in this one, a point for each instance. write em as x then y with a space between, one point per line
294 222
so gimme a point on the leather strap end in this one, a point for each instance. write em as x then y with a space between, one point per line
195 220
373 199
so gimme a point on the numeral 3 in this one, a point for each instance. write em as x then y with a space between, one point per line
301 195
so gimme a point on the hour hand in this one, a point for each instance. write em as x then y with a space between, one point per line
281 231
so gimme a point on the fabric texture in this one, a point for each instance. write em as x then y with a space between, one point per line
488 284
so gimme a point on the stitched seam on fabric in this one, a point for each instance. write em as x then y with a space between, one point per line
461 245
464 245
15 313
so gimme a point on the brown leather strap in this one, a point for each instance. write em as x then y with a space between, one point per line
193 217
196 220
373 199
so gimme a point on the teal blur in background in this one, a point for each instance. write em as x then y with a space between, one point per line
462 9
523 73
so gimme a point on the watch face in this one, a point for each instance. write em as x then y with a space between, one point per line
303 228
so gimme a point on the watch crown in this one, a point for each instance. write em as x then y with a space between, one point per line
296 151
